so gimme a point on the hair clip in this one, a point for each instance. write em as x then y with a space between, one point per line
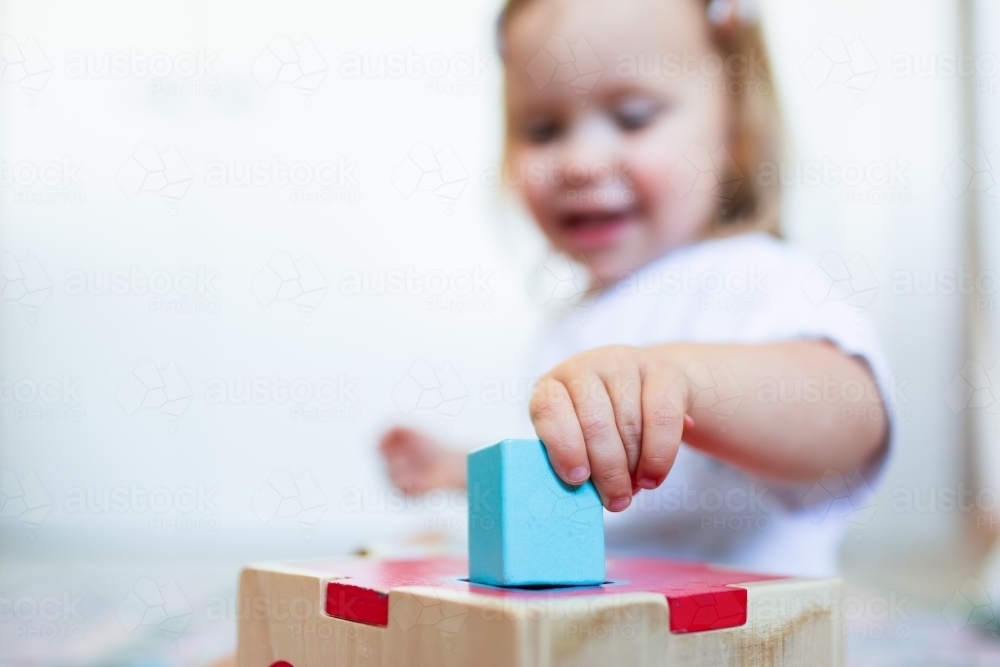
723 12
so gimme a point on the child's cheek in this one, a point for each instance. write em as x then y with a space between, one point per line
652 173
535 188
527 174
674 193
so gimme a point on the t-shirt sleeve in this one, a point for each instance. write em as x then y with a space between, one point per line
828 300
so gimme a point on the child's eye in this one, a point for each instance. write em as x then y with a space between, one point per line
542 131
636 114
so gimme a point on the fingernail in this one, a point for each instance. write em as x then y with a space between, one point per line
618 504
578 474
647 483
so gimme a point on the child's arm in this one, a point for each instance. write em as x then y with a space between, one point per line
417 463
616 414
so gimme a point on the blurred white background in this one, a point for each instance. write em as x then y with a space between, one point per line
201 197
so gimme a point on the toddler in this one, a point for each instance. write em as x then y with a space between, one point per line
725 407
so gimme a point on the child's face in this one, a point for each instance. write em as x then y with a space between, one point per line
601 163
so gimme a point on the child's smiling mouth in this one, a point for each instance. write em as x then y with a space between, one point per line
595 229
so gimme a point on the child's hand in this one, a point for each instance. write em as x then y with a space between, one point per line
417 464
615 414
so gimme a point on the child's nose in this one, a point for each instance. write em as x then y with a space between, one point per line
589 153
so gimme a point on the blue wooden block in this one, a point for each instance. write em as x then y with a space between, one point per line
526 526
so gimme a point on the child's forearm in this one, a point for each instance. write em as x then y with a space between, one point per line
790 410
787 411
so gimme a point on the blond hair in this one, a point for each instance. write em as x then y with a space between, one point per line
756 136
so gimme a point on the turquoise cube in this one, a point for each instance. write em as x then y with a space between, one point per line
526 526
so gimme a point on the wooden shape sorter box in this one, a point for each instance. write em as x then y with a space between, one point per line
425 613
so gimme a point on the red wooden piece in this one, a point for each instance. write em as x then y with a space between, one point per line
357 603
699 596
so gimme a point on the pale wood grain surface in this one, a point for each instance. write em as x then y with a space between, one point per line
790 622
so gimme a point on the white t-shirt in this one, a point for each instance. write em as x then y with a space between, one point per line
749 289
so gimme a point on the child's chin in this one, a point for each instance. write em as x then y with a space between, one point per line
608 265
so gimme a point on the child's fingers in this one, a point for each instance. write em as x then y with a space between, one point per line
609 465
624 388
556 424
390 441
663 422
